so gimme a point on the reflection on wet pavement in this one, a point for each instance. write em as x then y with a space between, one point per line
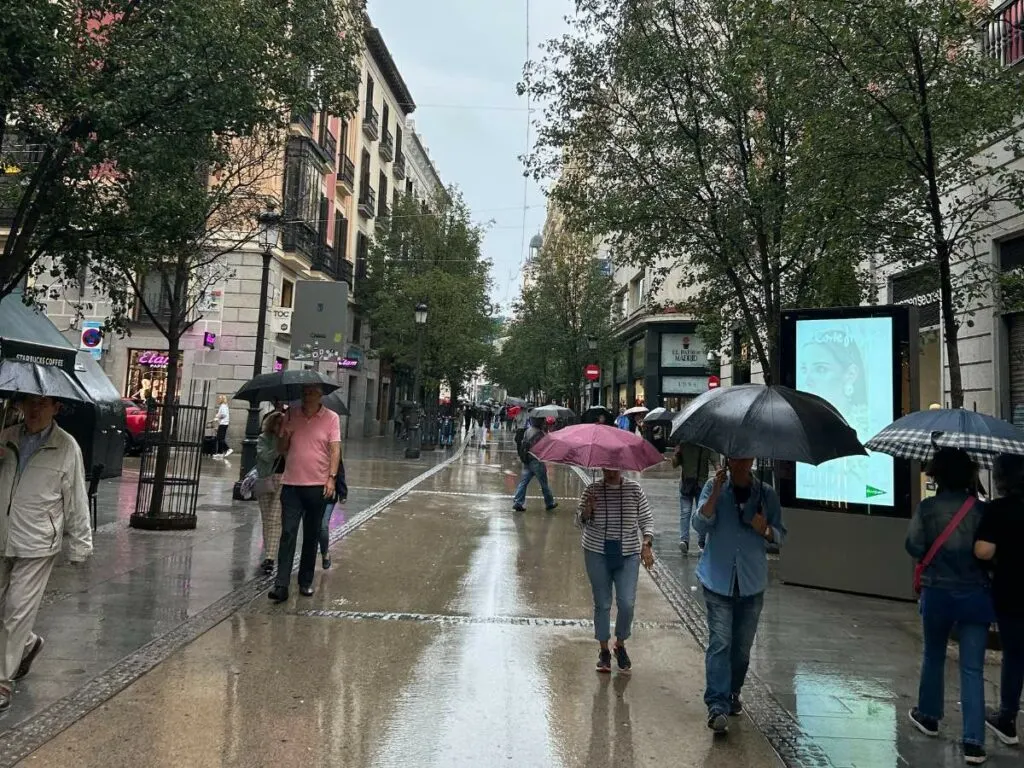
346 685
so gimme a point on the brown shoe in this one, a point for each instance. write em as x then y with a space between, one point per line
29 657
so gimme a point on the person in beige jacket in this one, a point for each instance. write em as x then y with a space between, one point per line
43 498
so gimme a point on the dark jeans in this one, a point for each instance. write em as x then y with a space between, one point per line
325 526
732 624
300 504
222 442
941 609
1011 634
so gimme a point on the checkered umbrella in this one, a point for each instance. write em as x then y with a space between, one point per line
917 435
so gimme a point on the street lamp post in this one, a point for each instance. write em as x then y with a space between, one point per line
270 227
592 346
413 450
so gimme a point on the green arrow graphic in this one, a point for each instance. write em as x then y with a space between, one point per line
871 492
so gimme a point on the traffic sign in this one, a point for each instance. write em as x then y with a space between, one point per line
592 372
714 382
92 338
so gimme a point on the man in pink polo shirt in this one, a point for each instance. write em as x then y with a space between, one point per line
311 438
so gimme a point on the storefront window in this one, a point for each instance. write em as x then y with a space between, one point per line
147 375
639 351
622 396
639 394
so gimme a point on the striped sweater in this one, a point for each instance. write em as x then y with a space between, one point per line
620 513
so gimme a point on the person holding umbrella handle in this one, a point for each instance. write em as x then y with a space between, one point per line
740 516
618 534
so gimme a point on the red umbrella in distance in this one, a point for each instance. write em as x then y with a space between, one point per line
598 446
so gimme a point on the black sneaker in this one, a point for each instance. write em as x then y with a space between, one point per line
974 755
326 562
278 594
28 658
268 566
604 661
518 508
1004 728
622 659
735 705
929 726
552 508
684 548
718 723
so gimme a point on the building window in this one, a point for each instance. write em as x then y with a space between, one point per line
287 293
382 194
362 253
357 330
157 296
364 174
369 93
385 117
408 187
340 235
303 182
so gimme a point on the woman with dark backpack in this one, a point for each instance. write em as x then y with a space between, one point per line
954 592
1001 540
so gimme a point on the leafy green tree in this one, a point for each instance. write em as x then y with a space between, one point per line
930 112
85 84
429 254
683 136
566 305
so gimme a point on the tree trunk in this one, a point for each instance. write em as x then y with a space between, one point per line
168 412
950 328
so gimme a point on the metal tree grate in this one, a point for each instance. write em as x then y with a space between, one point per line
170 466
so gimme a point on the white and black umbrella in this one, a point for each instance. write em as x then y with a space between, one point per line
557 412
916 436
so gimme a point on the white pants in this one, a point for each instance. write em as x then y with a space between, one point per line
22 583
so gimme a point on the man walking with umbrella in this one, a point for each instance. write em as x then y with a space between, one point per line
42 480
740 516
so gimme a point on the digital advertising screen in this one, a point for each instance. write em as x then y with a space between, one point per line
850 363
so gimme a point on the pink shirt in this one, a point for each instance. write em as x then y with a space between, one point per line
309 453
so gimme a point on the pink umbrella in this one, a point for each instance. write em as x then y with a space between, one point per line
598 446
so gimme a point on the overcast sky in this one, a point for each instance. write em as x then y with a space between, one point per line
461 60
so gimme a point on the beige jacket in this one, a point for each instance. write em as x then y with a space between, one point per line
46 502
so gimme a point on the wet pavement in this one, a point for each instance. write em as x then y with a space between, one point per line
449 632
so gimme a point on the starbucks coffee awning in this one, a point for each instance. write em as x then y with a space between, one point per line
34 356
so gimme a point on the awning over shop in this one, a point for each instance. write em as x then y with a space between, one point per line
28 336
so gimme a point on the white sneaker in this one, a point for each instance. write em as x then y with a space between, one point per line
228 453
217 456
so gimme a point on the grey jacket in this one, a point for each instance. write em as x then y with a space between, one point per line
954 566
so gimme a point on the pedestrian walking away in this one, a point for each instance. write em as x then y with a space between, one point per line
954 591
1001 541
694 462
311 442
618 534
269 469
533 467
740 516
43 476
223 418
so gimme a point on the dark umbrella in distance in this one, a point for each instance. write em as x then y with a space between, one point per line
767 422
285 386
659 416
592 413
332 402
917 435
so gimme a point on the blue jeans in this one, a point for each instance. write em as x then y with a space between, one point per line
534 469
602 580
940 610
687 506
1011 634
325 530
732 624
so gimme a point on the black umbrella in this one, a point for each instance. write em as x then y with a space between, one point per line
331 402
593 412
556 411
755 421
21 378
659 416
284 386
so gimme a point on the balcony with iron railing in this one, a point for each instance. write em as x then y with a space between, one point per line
347 174
367 202
1003 35
398 167
333 264
305 119
387 146
300 237
371 123
383 211
328 144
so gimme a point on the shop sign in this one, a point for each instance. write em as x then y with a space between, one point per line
153 359
682 350
683 385
352 360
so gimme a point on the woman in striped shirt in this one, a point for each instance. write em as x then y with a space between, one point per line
618 531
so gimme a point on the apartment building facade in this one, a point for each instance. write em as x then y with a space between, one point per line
337 183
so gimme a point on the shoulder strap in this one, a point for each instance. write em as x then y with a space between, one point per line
948 531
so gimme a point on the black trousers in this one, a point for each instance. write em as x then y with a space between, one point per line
300 505
222 442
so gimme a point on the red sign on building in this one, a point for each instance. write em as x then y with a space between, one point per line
592 372
714 382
